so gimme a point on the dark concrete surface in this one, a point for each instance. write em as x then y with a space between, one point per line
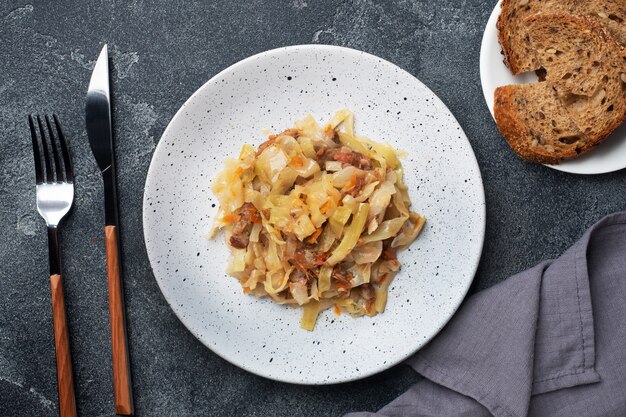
163 51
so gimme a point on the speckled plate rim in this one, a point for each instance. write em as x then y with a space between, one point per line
455 304
609 156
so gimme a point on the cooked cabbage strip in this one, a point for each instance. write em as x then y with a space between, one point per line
315 217
351 237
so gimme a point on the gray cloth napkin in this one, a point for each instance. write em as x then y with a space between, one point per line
550 341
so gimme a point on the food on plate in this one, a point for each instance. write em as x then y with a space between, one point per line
514 33
315 217
581 97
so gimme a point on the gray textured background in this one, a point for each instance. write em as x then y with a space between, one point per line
163 51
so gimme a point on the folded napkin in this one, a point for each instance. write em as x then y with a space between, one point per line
550 341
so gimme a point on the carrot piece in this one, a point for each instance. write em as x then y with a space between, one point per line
353 181
297 161
326 206
315 235
230 218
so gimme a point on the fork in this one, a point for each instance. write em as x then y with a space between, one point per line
55 193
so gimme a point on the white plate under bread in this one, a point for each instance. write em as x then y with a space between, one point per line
608 156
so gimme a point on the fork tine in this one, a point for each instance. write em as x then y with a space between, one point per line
67 161
55 152
46 155
33 135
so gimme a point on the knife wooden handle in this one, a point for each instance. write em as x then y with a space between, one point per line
65 380
122 387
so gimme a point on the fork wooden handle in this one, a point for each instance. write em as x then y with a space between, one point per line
122 388
65 380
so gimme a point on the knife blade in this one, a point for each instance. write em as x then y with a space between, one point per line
100 134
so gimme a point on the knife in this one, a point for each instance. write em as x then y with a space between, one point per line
99 131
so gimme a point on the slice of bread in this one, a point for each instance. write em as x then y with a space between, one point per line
514 35
583 97
584 64
529 117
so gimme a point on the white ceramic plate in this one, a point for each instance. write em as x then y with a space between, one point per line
609 156
270 91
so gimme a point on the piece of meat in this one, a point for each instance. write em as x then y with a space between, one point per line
355 185
240 227
344 155
321 154
342 282
354 158
342 277
364 163
298 275
239 241
306 258
249 213
388 254
301 181
241 234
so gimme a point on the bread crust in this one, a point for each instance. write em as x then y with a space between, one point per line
502 25
514 130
